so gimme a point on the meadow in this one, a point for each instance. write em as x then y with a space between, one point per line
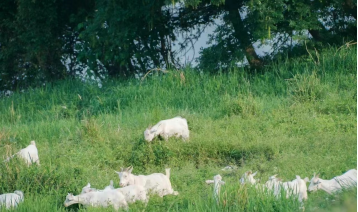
296 117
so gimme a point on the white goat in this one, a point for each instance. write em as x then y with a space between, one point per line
217 185
11 199
177 127
248 177
346 180
131 193
98 199
296 187
87 189
29 154
156 183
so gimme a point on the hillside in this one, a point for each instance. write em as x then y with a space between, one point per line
296 118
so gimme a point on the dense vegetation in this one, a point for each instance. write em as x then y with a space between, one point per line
298 117
44 41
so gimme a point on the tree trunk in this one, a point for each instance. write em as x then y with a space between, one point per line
315 34
163 50
130 66
242 34
319 34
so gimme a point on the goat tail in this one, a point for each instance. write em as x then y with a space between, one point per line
167 172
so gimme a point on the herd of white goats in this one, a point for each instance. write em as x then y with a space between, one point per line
138 187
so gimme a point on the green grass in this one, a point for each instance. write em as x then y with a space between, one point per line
297 118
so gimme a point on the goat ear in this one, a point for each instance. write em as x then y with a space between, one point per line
117 172
317 175
222 182
130 169
254 174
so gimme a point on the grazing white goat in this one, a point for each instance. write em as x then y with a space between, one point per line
29 154
296 187
98 199
248 177
131 193
177 127
11 199
156 183
346 180
217 185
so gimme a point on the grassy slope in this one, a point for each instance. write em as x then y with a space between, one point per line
299 117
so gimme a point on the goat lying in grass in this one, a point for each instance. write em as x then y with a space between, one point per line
344 181
132 193
156 183
11 199
88 188
29 154
98 199
177 127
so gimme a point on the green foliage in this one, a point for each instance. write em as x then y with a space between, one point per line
35 37
225 50
46 41
328 22
126 37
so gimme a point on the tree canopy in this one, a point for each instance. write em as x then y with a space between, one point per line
44 41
